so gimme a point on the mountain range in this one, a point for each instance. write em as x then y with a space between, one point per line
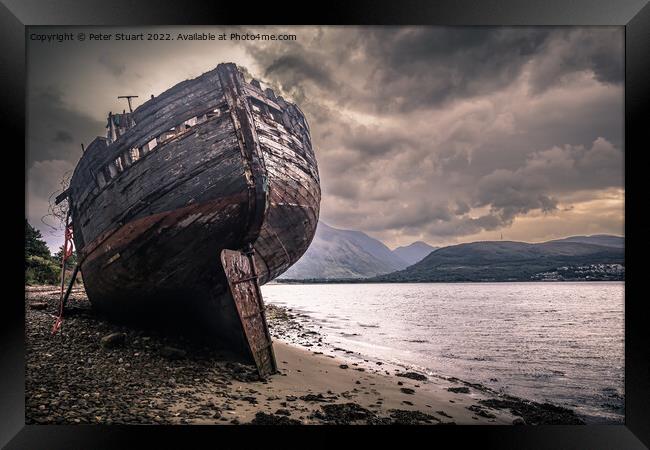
414 252
337 254
564 259
597 239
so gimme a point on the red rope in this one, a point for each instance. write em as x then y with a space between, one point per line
68 247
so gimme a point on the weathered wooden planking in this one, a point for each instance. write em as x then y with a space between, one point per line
177 166
198 94
94 161
294 193
240 112
154 230
131 258
244 288
173 94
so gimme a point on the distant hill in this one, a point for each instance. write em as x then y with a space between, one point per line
516 261
336 253
414 252
597 239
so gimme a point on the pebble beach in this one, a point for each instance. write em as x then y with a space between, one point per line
96 372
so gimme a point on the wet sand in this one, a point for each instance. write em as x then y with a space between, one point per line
97 372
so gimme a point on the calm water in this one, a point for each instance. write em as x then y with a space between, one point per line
558 342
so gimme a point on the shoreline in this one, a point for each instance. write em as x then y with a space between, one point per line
371 281
144 377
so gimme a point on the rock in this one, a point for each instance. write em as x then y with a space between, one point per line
459 390
519 421
406 417
262 418
412 376
38 305
534 413
345 413
314 398
172 352
399 383
113 340
283 412
479 411
343 366
407 391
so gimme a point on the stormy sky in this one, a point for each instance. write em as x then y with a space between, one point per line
440 134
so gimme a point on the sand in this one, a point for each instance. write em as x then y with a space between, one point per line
302 372
149 377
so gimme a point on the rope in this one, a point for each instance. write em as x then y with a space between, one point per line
68 247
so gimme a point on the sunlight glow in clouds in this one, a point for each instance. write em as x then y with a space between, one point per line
437 134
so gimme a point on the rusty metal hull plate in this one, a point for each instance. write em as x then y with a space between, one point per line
244 288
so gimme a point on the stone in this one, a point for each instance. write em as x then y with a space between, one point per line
459 390
406 417
412 375
262 418
172 352
113 340
38 305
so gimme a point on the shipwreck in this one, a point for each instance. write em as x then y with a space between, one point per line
191 202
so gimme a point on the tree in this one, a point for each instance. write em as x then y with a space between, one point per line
40 267
72 259
34 243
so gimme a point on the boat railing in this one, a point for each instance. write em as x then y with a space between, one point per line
264 102
130 156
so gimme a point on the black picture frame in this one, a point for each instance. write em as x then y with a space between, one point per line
634 15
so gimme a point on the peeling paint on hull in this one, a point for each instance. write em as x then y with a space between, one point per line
153 209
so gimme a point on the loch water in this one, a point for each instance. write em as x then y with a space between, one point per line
560 342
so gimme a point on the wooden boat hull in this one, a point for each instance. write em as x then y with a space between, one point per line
150 235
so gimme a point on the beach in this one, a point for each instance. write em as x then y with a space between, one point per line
93 371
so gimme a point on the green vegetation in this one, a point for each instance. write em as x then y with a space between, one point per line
34 243
41 267
515 261
39 270
72 260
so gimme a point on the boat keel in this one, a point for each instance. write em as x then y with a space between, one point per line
245 291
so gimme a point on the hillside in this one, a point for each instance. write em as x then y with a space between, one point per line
336 253
414 252
515 261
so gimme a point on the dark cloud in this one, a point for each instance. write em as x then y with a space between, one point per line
421 133
376 141
62 136
417 67
430 66
295 70
571 50
54 127
113 65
